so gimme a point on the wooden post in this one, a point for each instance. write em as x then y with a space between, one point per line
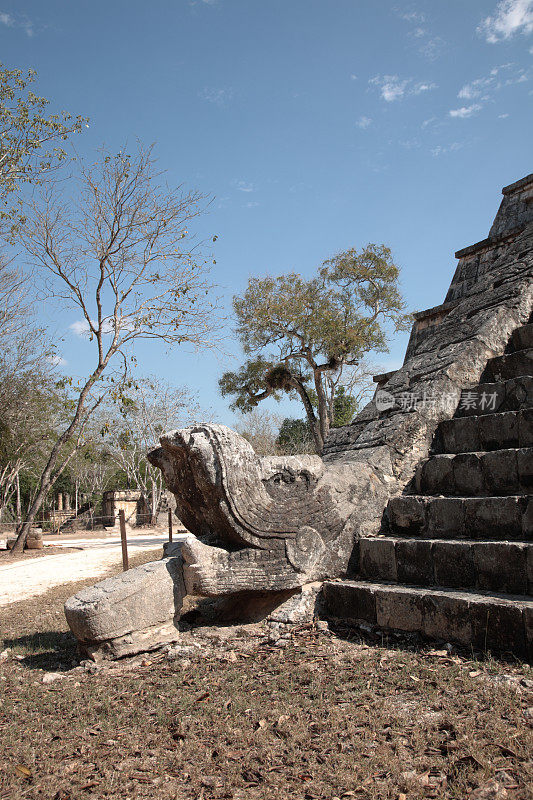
123 540
169 525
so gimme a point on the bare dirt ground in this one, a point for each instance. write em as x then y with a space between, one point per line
241 713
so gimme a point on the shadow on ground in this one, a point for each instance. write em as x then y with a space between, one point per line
48 650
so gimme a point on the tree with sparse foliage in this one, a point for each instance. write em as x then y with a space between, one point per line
295 435
134 425
261 429
306 337
31 142
120 254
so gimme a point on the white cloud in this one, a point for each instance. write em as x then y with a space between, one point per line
411 16
392 87
242 186
364 122
441 150
219 97
57 360
482 88
353 77
17 22
510 17
465 111
81 327
423 87
476 88
503 116
428 46
252 204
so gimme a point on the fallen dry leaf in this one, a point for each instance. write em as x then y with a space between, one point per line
23 771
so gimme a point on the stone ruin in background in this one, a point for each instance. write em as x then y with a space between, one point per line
421 506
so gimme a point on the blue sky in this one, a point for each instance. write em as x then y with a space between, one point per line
317 125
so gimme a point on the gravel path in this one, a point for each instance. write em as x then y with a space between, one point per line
24 579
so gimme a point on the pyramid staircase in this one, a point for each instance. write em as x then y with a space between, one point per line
454 558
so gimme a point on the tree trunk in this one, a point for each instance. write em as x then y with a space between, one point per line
154 504
314 423
47 477
19 510
323 418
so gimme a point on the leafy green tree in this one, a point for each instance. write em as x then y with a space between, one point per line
296 436
306 337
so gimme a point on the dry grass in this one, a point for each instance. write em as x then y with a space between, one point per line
238 718
36 629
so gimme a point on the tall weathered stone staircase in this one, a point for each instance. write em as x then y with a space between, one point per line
454 557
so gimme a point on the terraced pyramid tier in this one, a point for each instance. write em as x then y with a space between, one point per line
455 559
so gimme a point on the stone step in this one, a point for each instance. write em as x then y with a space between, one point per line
493 566
488 398
499 472
494 518
488 621
501 431
522 338
508 366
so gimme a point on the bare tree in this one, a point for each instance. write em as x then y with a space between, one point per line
261 429
122 256
136 425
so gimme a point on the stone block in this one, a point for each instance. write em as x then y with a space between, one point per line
527 519
113 612
525 427
524 458
414 563
522 338
446 518
519 393
301 607
493 517
501 566
468 474
528 631
399 608
350 600
500 472
406 515
511 365
377 559
498 431
446 616
437 476
460 435
454 564
497 625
